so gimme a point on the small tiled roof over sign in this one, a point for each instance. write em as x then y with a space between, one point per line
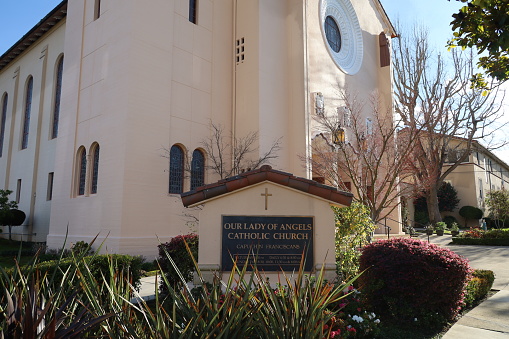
265 173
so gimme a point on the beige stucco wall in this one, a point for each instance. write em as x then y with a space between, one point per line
283 202
141 78
33 164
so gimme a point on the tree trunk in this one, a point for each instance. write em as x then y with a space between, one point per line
432 202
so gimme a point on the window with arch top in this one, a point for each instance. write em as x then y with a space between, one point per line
82 170
3 106
193 4
95 169
197 169
58 95
28 110
176 169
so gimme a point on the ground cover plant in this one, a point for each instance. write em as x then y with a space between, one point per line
477 236
413 283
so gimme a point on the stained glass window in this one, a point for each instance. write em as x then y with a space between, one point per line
2 127
28 109
192 10
332 33
176 169
197 169
82 171
58 94
95 170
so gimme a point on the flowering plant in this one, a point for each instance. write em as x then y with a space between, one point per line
352 320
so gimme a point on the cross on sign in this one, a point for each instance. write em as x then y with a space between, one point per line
266 195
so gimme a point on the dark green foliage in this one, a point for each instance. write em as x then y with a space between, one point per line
99 266
485 25
421 218
14 217
82 248
470 212
149 266
447 199
407 279
6 206
176 249
478 287
449 220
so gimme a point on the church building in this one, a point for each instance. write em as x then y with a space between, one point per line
105 104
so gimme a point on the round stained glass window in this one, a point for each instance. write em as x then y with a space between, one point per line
342 34
332 33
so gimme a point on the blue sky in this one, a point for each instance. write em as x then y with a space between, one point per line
17 17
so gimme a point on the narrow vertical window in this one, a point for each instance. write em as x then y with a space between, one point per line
49 192
28 109
176 169
18 191
481 195
97 9
95 169
193 4
369 126
197 169
82 171
58 95
2 127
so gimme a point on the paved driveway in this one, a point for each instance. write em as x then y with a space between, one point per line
489 320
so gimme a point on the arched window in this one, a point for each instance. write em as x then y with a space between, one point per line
176 169
58 94
95 169
28 109
97 9
82 170
197 169
193 4
2 127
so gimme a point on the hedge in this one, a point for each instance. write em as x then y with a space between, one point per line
478 287
480 241
408 279
99 265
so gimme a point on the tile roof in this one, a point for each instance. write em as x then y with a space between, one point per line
265 173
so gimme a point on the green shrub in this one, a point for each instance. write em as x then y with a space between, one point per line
99 266
449 220
480 241
81 248
407 279
353 227
470 212
176 249
421 218
478 287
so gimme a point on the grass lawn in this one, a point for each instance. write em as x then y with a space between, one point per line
9 250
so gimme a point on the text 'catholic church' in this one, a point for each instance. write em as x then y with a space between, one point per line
105 104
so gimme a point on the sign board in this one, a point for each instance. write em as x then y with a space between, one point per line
274 242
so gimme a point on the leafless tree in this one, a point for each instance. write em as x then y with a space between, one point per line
434 96
357 151
229 155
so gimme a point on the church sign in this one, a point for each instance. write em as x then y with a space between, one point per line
267 217
274 242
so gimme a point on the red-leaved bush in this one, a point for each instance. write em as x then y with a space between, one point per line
177 250
412 282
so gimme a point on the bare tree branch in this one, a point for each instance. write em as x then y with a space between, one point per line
434 100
